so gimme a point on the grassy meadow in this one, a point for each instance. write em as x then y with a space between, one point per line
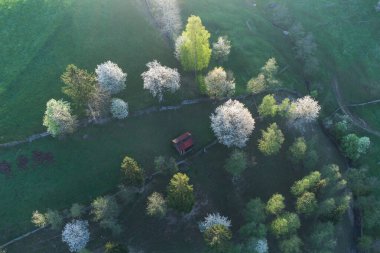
44 36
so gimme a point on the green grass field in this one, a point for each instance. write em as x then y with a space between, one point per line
91 33
43 36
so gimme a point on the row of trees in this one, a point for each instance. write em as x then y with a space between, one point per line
91 94
233 123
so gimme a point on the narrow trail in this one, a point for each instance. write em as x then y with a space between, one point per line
354 119
147 111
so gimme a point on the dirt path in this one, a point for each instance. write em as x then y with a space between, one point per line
354 119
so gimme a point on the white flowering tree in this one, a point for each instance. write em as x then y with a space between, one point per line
167 15
111 78
304 109
232 124
76 235
218 85
58 118
261 246
179 42
222 48
159 79
119 108
212 220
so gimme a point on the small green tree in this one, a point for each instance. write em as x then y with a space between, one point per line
311 183
58 118
268 107
79 86
306 203
365 243
217 237
54 218
291 245
270 70
255 216
112 247
322 238
350 146
156 205
271 140
133 175
285 107
285 224
39 219
257 85
104 208
194 49
353 146
298 150
180 193
166 165
76 210
275 204
236 163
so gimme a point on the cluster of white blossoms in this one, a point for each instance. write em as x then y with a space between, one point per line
167 15
262 246
214 219
158 79
232 124
76 235
218 85
305 109
222 48
111 78
119 108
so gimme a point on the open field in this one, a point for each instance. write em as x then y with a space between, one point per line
91 33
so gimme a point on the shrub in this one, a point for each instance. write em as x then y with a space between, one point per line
166 165
217 237
291 245
236 163
104 208
39 219
298 150
221 49
54 218
111 247
119 108
156 205
76 210
201 84
271 140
